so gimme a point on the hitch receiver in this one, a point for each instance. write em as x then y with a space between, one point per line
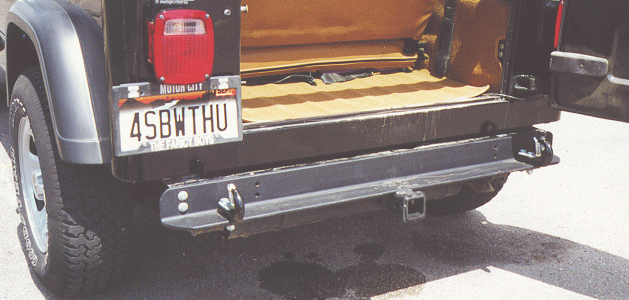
413 204
542 156
232 208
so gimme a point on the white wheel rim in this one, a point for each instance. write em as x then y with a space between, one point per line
32 185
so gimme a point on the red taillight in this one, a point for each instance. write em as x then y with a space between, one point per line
181 46
558 23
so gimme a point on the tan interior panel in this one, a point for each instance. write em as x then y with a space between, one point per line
479 26
302 36
275 102
322 57
295 22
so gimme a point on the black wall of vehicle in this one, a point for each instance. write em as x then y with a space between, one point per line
530 41
303 141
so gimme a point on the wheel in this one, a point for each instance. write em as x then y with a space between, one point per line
74 221
465 200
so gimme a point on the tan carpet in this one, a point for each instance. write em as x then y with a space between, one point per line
275 102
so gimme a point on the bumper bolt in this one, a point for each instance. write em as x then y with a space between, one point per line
183 207
182 196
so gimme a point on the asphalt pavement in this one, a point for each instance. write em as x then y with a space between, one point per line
559 233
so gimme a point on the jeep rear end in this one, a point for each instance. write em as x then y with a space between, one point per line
342 105
246 117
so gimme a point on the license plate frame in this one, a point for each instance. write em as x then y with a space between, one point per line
170 106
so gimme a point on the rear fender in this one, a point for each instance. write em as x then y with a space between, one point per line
69 48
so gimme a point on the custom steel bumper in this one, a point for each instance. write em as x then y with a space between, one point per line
276 198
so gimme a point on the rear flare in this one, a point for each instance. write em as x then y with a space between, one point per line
67 47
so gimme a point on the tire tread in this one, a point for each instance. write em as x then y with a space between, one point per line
467 199
91 247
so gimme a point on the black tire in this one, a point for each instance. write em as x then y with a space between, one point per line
82 244
3 91
465 200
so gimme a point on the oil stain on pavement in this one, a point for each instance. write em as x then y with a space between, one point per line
293 279
362 257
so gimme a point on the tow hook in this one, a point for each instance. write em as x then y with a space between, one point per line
412 203
233 207
542 156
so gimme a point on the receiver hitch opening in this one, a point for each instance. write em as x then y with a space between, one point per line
412 203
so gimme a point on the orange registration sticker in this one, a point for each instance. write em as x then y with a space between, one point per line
225 93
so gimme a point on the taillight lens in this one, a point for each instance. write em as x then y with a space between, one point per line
184 27
181 46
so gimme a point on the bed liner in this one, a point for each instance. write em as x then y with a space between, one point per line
276 102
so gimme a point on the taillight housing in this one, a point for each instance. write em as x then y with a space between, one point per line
181 46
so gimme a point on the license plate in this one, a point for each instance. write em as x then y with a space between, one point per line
153 117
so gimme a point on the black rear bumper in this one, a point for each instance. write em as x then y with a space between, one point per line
282 197
270 145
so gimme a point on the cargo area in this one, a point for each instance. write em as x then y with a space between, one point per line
288 47
276 102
